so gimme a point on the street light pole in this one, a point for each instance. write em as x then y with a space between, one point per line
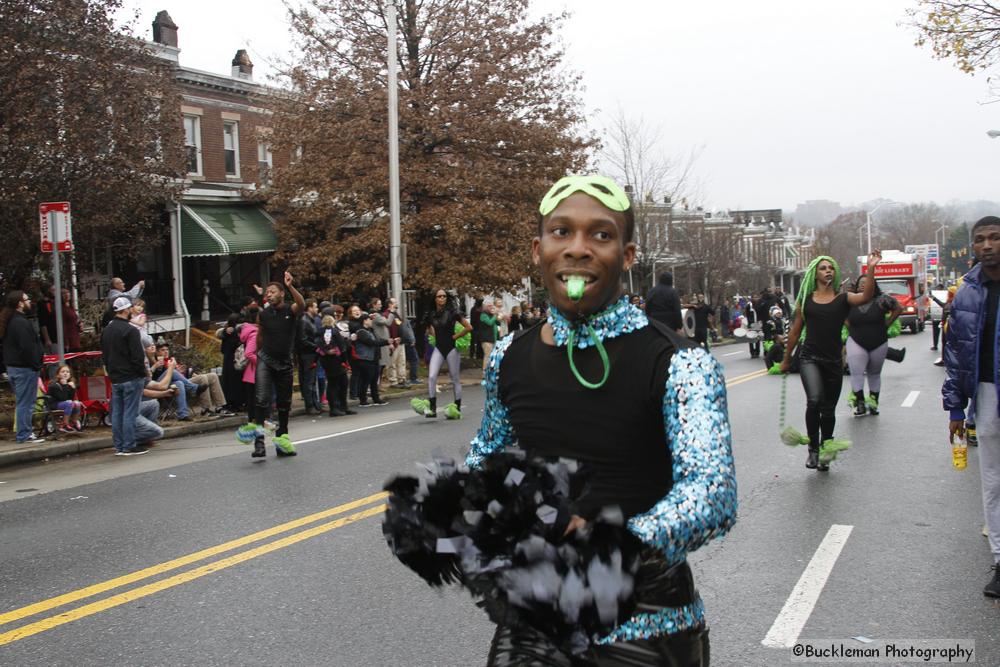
940 252
395 260
868 221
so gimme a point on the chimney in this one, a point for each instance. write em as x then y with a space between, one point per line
242 67
164 29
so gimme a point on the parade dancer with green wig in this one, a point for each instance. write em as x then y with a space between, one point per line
819 317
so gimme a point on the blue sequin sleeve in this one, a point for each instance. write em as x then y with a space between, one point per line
495 432
701 505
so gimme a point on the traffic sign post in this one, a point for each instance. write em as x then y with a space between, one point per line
56 235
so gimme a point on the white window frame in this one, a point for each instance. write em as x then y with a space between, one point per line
264 157
197 143
235 124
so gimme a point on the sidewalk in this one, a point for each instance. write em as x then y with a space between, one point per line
12 453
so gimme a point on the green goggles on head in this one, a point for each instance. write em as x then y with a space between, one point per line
601 188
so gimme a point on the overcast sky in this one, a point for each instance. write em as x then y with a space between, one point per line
790 100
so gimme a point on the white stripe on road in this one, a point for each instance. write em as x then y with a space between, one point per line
910 399
355 430
733 354
786 628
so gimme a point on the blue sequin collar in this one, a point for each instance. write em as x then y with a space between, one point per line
617 319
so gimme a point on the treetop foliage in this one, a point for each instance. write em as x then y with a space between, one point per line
488 119
86 115
966 32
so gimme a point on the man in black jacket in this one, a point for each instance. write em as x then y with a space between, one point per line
306 347
22 352
663 304
124 362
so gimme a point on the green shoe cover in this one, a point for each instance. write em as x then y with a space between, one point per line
793 438
852 400
419 405
451 411
247 433
284 443
830 448
871 401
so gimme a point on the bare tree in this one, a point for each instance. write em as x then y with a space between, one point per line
912 224
632 152
839 240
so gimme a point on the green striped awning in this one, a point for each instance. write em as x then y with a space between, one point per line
208 231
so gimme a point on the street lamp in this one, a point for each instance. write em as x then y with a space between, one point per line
868 221
940 249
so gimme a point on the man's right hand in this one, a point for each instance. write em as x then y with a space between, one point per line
956 427
786 366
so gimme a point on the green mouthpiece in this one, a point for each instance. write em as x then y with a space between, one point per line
574 287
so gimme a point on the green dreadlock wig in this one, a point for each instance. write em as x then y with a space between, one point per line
809 279
809 286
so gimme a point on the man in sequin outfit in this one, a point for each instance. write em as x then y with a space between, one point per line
637 404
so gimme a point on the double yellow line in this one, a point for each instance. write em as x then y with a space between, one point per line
183 577
739 379
146 590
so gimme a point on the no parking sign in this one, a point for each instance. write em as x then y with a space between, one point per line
55 225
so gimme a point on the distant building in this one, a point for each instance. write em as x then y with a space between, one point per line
687 240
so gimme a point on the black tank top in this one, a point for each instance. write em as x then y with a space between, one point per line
824 322
618 429
867 323
444 322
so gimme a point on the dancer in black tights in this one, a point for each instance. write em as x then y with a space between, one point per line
819 316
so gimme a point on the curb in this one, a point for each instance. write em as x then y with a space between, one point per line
70 445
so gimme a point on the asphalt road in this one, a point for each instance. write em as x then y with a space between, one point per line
197 554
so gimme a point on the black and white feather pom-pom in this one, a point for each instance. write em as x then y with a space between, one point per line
499 531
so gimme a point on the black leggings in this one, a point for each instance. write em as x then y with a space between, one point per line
657 586
336 383
526 648
250 398
822 381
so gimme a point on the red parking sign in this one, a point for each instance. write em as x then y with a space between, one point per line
55 226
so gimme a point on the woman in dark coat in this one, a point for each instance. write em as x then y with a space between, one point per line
232 379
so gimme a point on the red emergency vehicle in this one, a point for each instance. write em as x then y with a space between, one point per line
904 276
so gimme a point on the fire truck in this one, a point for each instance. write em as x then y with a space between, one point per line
903 276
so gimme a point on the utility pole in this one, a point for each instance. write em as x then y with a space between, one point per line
395 259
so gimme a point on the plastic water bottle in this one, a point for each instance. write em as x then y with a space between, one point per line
959 453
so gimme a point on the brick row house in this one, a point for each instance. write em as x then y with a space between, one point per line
759 249
221 237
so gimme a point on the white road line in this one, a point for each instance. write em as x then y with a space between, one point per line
910 399
355 430
733 354
799 605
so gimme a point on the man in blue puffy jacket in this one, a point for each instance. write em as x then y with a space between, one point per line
970 357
